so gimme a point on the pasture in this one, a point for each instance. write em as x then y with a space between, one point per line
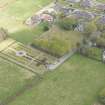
77 82
12 79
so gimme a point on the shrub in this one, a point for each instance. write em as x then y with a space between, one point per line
100 42
67 23
89 29
102 97
56 46
46 26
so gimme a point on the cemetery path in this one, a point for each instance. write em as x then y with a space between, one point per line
45 8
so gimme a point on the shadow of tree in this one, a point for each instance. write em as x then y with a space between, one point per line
27 35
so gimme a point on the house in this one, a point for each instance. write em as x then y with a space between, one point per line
100 7
86 3
80 28
83 15
36 19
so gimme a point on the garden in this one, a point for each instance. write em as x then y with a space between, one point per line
58 42
27 57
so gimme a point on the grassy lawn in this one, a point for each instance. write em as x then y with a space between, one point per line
77 82
13 14
12 78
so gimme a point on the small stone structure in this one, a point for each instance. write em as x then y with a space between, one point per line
21 53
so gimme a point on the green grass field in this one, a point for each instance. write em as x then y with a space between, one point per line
77 82
12 79
13 14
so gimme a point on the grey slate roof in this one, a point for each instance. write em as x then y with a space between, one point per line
87 3
101 6
60 8
83 14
